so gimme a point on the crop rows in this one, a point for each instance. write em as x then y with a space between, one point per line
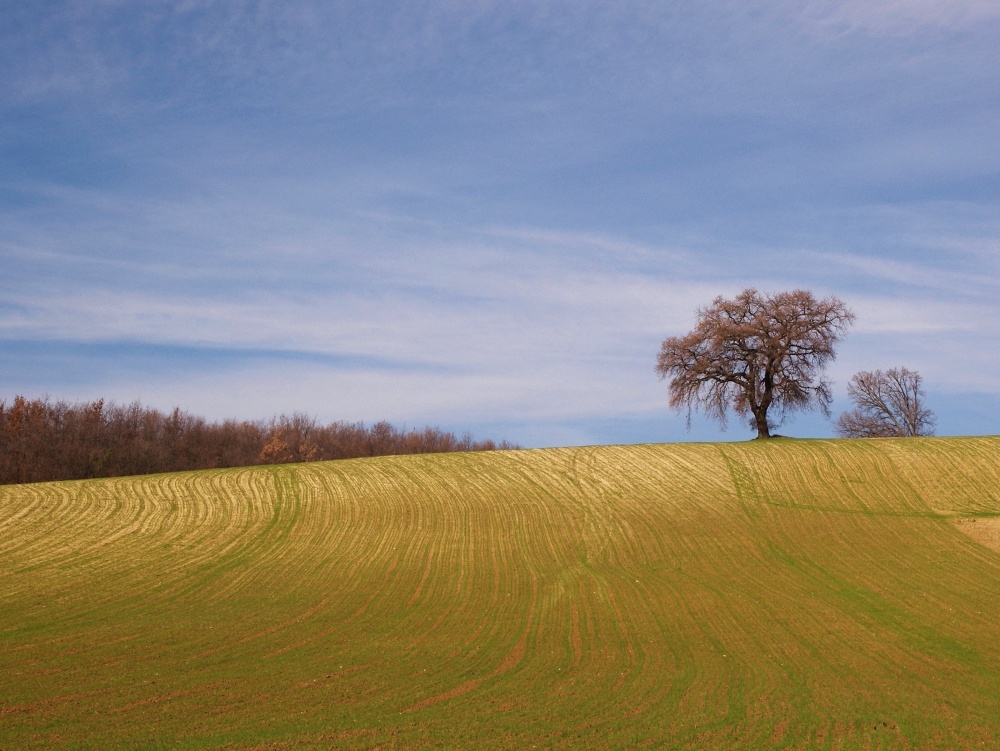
820 594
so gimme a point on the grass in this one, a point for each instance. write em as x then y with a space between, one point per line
783 594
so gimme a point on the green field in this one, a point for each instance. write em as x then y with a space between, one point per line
782 594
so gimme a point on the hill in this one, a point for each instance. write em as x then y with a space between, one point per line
782 594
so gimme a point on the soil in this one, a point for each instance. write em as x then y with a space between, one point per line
984 530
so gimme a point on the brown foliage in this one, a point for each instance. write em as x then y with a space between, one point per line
760 355
42 440
887 404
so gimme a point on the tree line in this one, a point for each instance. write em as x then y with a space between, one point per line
43 440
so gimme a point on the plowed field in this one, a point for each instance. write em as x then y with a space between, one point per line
783 594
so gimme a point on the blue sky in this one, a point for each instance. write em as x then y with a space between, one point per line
486 216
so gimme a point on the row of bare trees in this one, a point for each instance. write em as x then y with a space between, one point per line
43 440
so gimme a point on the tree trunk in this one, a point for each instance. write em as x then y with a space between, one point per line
760 413
760 416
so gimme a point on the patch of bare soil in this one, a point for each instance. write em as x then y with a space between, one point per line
984 530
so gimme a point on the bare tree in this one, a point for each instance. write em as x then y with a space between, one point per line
886 404
760 355
44 440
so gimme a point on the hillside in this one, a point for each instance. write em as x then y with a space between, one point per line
796 594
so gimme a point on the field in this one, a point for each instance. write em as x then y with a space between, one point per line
782 594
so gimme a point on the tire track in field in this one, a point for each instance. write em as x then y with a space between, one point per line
834 624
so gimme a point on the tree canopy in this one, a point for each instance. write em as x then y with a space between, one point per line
886 404
42 440
760 355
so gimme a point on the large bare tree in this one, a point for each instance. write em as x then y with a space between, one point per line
886 404
760 355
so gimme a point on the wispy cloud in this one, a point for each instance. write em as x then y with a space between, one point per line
896 17
916 279
484 211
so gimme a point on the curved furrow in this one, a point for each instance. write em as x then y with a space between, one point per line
773 594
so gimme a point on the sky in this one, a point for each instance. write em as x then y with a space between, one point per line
487 216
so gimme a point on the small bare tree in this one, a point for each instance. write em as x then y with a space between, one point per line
886 404
755 354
